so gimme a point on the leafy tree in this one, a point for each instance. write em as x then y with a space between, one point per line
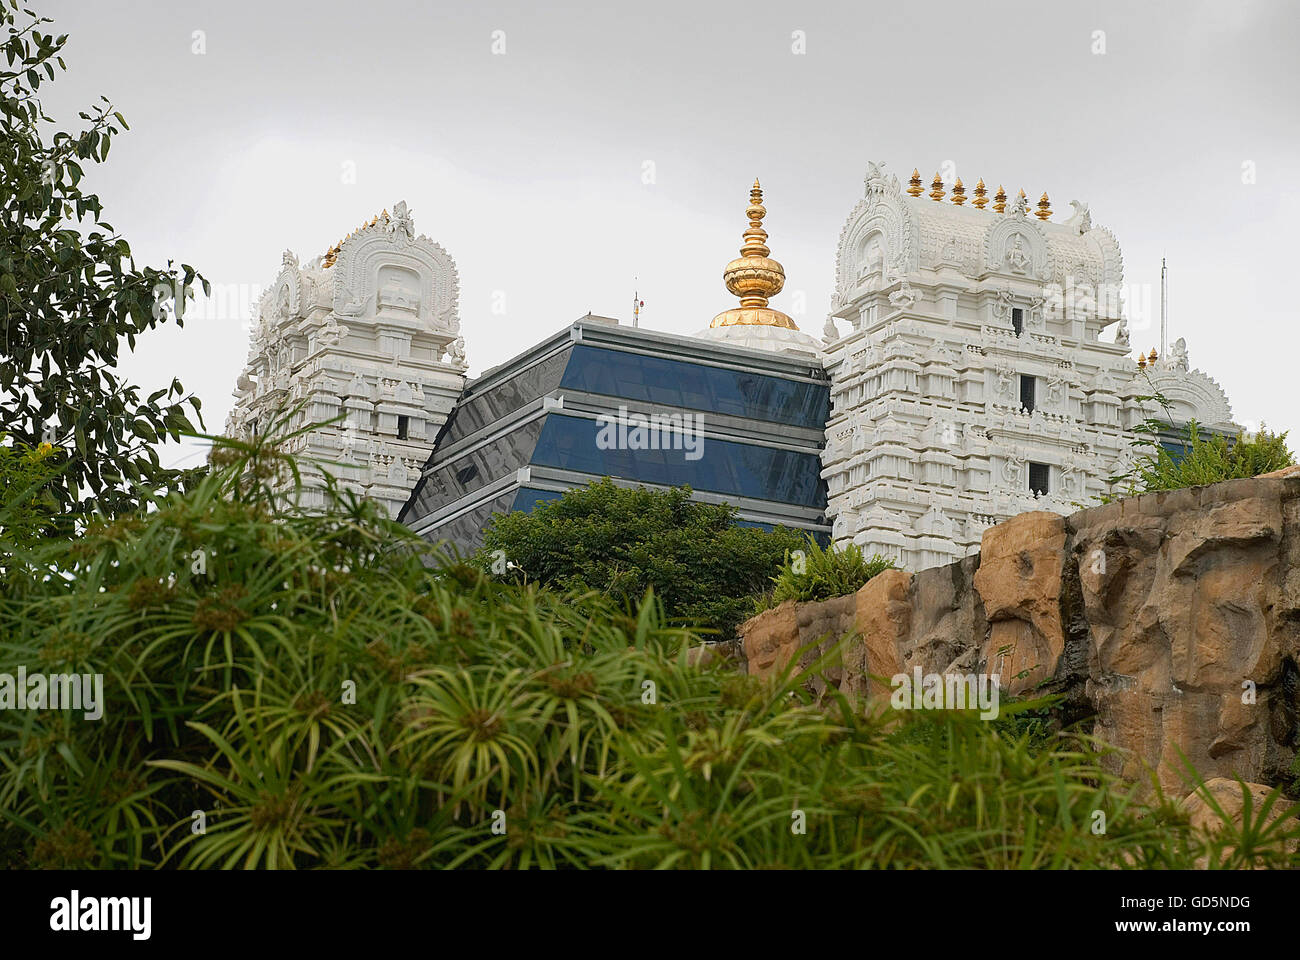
694 555
70 292
27 508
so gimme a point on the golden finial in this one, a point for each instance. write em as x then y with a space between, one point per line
958 193
936 189
981 194
1022 195
1142 362
754 276
1044 207
1151 360
914 185
1000 200
385 214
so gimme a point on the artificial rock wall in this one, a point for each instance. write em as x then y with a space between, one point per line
1150 615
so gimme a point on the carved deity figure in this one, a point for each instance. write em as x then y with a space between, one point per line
331 334
1011 470
1005 377
456 351
904 296
873 256
1002 304
1178 355
1017 259
401 222
1035 311
1069 478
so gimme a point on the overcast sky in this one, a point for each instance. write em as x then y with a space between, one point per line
610 147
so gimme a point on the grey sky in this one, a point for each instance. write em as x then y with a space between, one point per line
529 166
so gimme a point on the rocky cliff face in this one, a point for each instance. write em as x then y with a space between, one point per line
1170 622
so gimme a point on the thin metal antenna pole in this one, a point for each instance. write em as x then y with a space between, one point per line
1164 334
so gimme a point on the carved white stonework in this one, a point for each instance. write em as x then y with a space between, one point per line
927 444
374 339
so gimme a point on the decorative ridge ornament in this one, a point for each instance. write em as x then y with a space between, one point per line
981 195
1044 210
1000 200
958 193
936 189
754 277
914 187
332 254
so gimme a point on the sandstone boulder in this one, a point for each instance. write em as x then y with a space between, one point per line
1170 622
1019 582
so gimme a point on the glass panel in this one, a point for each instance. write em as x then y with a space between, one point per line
679 383
466 531
500 458
504 398
529 498
724 466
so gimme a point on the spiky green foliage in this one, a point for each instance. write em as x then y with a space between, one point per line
1201 459
700 563
308 693
814 573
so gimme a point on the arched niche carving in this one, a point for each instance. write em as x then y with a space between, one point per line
284 300
385 269
1190 394
1016 246
882 215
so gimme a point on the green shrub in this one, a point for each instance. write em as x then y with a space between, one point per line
813 573
302 691
621 542
1201 460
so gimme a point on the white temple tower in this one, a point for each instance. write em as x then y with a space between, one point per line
370 332
970 380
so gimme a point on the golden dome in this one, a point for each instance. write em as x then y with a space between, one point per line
754 276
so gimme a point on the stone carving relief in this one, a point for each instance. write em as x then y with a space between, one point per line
882 211
1012 470
904 297
1081 220
1178 355
385 266
1017 246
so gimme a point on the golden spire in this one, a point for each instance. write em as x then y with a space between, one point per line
1044 207
754 276
936 189
1152 358
914 185
1000 200
981 194
958 193
1142 361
